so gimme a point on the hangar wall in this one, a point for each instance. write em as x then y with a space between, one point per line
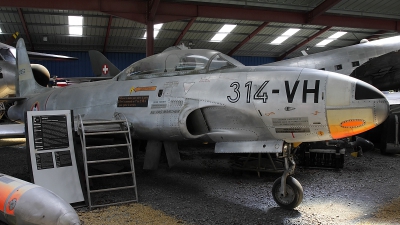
82 67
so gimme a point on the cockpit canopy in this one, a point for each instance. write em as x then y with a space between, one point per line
178 62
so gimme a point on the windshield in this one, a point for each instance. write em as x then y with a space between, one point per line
218 62
178 62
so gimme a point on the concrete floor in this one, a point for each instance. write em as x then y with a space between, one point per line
202 189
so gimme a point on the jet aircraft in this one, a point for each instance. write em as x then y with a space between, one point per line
375 62
8 69
205 95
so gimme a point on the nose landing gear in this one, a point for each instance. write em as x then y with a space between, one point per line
2 109
287 191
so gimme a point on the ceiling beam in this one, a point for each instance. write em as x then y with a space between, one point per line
185 30
248 38
377 35
152 6
150 39
304 42
21 17
153 9
320 9
180 30
107 34
170 11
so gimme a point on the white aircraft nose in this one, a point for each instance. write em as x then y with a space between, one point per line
353 106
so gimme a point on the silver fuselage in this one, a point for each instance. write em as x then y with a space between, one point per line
239 104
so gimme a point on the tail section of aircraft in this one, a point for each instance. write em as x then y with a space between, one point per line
101 66
25 83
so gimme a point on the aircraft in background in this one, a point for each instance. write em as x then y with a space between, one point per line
204 95
8 70
375 62
101 66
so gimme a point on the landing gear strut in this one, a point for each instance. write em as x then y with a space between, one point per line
2 109
287 191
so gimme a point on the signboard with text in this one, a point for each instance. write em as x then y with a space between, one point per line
52 154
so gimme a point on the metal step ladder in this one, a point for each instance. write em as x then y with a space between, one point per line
118 126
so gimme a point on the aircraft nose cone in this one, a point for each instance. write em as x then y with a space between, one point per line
353 106
367 92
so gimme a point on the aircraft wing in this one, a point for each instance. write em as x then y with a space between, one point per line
394 101
12 130
44 56
37 55
393 98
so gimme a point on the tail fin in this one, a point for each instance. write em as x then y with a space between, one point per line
101 66
25 83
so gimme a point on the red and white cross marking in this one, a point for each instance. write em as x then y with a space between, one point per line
105 69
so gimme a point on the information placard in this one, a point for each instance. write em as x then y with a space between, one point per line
52 154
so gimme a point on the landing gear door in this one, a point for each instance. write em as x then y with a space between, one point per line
299 104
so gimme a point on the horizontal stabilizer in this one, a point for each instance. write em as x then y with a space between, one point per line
12 130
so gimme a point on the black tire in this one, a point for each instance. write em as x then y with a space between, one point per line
294 193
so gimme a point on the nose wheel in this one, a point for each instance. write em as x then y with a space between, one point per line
293 195
287 191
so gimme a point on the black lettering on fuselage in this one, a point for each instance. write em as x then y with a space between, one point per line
290 94
314 91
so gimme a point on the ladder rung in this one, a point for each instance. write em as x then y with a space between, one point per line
103 122
114 203
107 146
112 189
108 160
111 174
106 132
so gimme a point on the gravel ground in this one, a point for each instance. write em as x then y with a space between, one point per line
202 189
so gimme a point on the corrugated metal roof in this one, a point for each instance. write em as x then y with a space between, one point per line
126 35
